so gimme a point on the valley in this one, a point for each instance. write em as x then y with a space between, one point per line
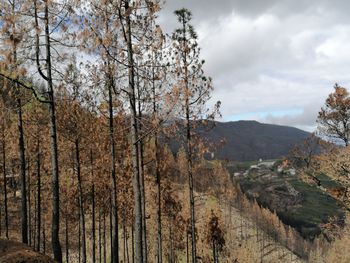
277 186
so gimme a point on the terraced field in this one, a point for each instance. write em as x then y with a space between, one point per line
298 204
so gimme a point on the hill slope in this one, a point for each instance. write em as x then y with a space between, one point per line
251 140
15 252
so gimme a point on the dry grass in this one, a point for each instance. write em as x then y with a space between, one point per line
15 252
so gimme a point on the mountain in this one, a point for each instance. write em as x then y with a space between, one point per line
251 140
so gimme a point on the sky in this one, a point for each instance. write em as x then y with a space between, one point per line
274 61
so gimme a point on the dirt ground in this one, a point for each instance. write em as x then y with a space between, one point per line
15 252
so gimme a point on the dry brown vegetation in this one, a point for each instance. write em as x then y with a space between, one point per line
86 170
15 252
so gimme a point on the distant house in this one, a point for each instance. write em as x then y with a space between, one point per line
286 168
283 166
267 164
291 171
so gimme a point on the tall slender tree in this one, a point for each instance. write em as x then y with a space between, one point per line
195 88
44 22
134 133
102 27
12 29
4 166
56 246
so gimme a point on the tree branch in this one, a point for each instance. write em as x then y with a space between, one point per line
24 85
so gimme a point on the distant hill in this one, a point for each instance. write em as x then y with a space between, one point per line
251 140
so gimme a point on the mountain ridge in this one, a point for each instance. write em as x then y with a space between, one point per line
252 140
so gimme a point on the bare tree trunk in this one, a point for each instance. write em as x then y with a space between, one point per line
79 236
29 224
262 247
111 228
67 238
38 195
115 238
93 229
104 239
214 254
127 245
124 236
134 142
99 236
143 201
55 239
21 146
0 223
217 254
190 183
14 187
24 215
55 227
171 252
44 238
5 185
187 249
189 150
34 231
158 177
159 206
141 174
133 243
125 233
81 204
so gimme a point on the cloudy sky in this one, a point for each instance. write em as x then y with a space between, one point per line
274 61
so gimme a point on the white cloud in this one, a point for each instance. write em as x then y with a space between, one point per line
271 55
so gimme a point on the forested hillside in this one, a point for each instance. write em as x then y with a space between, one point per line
247 140
251 140
92 95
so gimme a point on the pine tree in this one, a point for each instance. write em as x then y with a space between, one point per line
195 89
215 236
